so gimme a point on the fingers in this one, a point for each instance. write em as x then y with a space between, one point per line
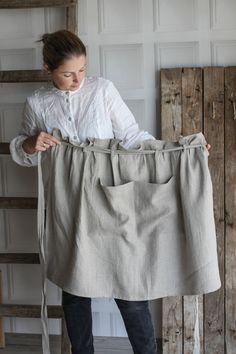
208 146
45 141
49 138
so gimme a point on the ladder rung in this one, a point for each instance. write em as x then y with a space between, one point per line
19 258
4 148
19 76
19 4
30 311
18 203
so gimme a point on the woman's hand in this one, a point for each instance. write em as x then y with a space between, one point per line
39 142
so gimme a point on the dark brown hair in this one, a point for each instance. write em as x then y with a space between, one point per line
59 46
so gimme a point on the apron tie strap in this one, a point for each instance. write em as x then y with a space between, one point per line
41 234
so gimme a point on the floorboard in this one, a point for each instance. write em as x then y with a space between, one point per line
17 343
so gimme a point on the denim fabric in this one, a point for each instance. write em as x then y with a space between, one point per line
136 316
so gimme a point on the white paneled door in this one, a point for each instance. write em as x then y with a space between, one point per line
128 41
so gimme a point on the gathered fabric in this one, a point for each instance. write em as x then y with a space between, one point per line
133 224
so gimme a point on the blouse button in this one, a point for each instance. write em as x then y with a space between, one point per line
69 118
75 137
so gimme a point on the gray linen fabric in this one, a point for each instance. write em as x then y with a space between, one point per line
133 224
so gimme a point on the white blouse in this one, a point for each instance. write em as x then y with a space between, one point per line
96 109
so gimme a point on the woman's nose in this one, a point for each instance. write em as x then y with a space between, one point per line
76 78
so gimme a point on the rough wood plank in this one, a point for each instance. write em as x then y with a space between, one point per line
18 203
29 311
214 133
19 4
172 325
193 324
19 258
171 103
71 19
2 335
192 108
19 76
65 341
230 210
25 339
4 149
19 343
171 115
192 103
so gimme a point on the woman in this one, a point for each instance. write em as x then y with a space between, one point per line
81 107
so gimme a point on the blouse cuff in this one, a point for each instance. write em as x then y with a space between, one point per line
19 155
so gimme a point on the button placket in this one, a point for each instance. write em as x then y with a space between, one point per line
69 112
68 106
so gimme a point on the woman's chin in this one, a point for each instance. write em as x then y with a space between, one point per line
73 88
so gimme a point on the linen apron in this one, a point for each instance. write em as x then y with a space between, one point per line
134 224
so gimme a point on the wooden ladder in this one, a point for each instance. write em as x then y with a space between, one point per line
16 76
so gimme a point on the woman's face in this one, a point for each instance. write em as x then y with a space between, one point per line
69 75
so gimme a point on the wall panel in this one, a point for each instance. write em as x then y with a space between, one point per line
223 14
175 15
123 64
223 53
119 16
176 54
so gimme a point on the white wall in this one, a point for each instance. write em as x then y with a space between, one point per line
128 42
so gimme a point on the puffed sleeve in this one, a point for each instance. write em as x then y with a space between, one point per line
124 124
28 128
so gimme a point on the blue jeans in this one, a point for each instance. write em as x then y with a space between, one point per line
135 314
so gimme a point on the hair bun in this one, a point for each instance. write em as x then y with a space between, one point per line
45 37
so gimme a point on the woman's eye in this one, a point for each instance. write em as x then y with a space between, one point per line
67 75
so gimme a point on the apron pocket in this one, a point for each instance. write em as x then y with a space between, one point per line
138 207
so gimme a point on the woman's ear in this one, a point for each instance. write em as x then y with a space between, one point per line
45 68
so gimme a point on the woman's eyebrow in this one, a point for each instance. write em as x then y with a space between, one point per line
71 72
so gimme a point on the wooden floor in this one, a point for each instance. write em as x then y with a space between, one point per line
31 344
